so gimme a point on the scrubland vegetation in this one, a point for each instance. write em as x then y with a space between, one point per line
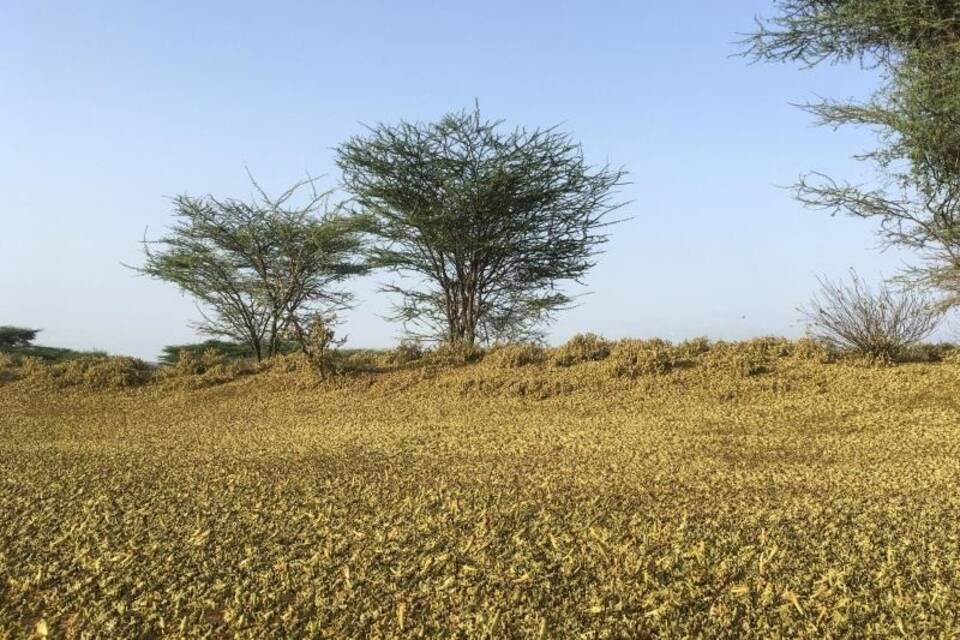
269 483
599 489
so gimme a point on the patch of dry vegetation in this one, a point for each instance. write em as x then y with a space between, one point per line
720 490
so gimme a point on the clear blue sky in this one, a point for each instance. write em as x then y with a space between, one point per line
108 107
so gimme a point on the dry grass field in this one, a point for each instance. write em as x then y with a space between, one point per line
644 490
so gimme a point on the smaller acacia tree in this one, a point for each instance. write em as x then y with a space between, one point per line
880 324
255 267
489 223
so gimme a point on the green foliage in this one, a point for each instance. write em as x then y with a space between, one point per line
51 354
16 343
171 354
96 372
11 337
876 32
255 266
488 221
916 111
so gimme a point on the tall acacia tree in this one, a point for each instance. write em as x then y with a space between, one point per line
915 45
488 222
259 268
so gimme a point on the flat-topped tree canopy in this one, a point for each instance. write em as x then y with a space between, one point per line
17 336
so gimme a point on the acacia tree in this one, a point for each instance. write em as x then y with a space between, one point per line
258 267
916 110
11 337
489 223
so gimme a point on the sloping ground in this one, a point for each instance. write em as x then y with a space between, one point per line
798 500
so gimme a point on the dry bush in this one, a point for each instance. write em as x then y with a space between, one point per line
812 349
294 369
635 358
188 364
210 369
223 373
692 348
359 360
735 359
404 353
455 355
119 372
317 340
767 347
9 368
877 325
929 352
952 356
514 356
33 368
583 347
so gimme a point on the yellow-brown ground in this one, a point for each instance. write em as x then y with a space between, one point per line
797 499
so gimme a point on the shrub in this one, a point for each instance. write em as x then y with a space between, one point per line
210 368
744 359
34 368
317 341
404 353
635 358
188 364
8 368
222 373
813 349
878 325
766 347
118 372
514 356
171 354
455 354
929 352
354 360
952 356
583 347
692 349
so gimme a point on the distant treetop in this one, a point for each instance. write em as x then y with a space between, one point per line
17 336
